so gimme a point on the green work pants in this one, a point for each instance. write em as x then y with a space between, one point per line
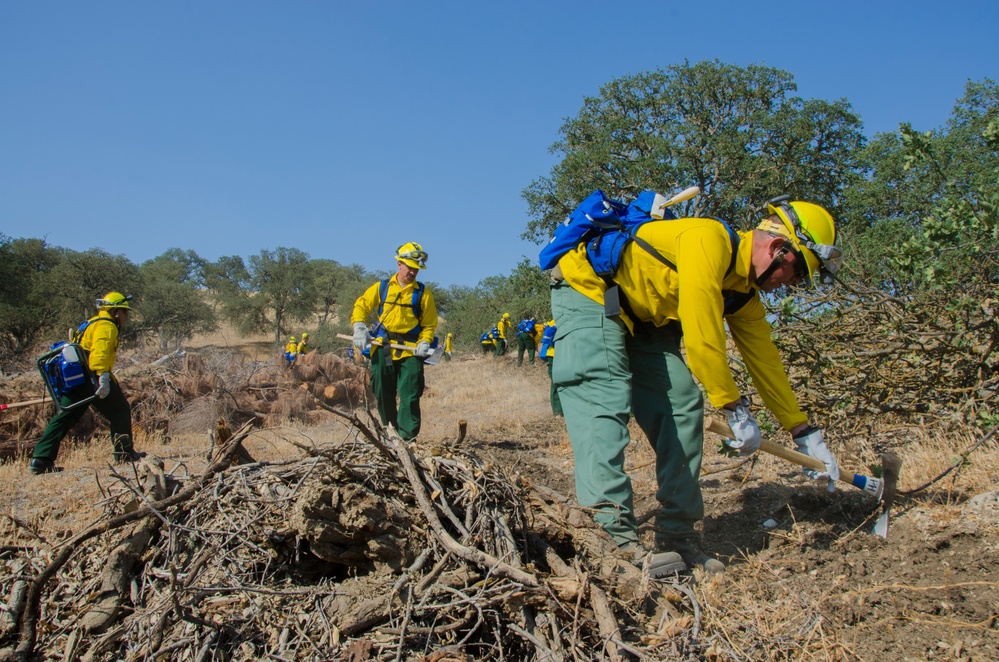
402 378
500 346
553 392
603 374
525 343
115 408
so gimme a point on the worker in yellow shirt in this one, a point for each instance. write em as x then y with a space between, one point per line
503 326
403 311
291 351
448 345
98 337
617 360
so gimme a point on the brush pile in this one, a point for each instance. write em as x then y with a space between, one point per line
364 548
858 354
186 393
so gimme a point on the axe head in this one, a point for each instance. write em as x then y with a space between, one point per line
435 358
891 465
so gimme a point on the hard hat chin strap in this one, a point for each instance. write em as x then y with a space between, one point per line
774 266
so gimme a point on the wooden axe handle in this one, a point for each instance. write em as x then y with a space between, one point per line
15 405
410 348
721 428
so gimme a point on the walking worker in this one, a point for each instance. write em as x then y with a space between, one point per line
291 351
527 340
303 344
546 352
503 327
611 366
448 345
404 313
98 337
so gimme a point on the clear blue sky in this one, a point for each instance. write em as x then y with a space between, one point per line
347 128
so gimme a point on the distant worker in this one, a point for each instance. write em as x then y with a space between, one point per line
405 313
291 351
303 345
503 327
526 341
98 337
546 352
612 363
448 345
488 342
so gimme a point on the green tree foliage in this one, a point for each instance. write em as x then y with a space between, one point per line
173 303
27 307
282 288
276 289
925 214
471 311
736 132
79 279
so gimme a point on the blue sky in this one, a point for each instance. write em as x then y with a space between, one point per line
347 128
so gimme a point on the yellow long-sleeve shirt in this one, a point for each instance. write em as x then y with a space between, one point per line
504 325
692 294
100 341
397 314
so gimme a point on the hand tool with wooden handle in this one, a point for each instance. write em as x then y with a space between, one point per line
15 405
433 359
872 486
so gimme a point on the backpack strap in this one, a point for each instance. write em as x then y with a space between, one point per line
734 300
416 304
78 334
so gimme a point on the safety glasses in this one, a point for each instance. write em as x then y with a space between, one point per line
108 303
420 257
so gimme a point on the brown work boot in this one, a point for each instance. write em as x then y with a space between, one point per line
689 548
661 564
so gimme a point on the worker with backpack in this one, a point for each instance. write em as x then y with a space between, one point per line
502 330
622 296
546 352
291 351
404 313
527 340
98 338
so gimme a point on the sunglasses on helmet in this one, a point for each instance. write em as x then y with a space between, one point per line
420 257
830 256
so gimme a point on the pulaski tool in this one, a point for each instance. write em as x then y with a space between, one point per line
433 359
882 489
15 405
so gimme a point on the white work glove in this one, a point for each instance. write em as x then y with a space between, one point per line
809 442
744 427
422 349
103 385
360 335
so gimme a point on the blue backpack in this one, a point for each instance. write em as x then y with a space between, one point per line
526 326
598 217
547 341
608 226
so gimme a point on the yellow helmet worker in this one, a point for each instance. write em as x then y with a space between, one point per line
811 233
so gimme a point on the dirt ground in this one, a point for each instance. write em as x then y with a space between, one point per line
802 563
928 591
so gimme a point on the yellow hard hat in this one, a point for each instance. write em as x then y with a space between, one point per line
305 335
293 339
412 255
506 314
811 231
114 300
